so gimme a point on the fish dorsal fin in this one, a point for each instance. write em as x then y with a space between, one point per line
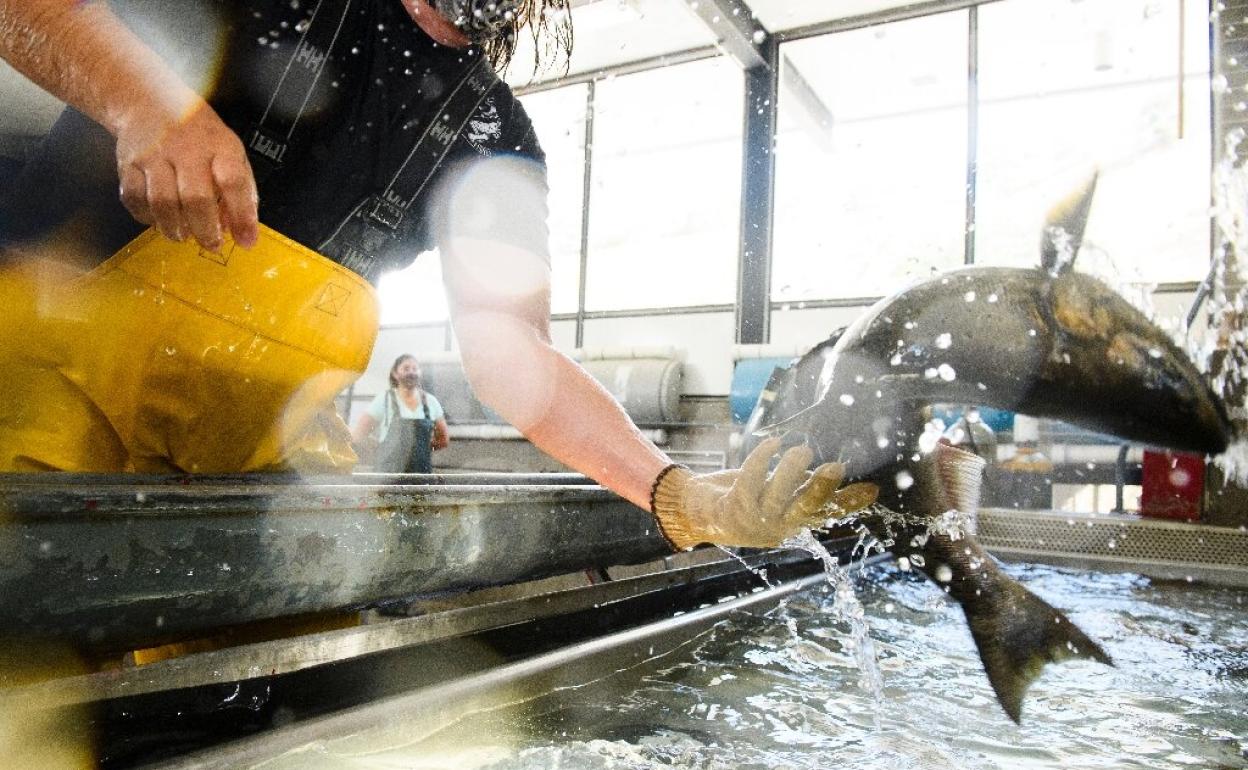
1064 226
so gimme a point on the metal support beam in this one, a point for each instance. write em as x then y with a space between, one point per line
972 133
758 171
736 30
806 105
586 191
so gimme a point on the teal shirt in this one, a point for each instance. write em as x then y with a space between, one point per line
380 411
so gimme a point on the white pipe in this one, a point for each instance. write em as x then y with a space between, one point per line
507 433
770 350
627 352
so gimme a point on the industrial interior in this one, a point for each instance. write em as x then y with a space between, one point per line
732 183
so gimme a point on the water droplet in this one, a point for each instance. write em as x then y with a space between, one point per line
904 480
847 399
943 341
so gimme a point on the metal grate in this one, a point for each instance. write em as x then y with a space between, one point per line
704 461
1149 547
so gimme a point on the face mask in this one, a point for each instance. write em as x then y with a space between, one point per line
410 380
480 20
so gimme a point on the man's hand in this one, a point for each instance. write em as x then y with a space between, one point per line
189 176
747 507
180 167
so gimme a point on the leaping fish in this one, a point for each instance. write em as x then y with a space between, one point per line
1048 342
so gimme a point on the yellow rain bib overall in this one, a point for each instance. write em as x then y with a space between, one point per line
171 358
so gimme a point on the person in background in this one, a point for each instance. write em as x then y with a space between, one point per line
279 151
408 421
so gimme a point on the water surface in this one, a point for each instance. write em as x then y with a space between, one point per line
782 691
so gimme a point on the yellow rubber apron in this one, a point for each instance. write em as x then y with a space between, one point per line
169 357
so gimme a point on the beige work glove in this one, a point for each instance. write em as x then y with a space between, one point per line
747 507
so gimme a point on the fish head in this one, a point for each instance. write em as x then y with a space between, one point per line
1113 370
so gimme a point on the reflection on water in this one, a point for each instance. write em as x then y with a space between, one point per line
755 695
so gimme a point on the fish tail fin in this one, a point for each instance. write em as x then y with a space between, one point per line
1017 633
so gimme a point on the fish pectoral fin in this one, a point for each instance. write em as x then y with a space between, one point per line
1017 633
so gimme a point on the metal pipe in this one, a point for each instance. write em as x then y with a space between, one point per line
903 13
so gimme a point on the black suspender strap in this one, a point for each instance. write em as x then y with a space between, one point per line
375 221
269 140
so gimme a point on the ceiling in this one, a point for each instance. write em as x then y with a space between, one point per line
611 33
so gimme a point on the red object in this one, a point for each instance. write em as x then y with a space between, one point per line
1173 485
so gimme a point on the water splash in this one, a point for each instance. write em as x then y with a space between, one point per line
953 524
1064 247
758 571
1227 350
848 609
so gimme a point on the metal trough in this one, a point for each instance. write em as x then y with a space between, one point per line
108 562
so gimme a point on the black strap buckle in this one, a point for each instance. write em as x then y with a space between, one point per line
385 212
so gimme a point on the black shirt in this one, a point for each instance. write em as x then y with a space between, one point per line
385 80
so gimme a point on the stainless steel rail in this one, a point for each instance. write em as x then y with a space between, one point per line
288 655
114 562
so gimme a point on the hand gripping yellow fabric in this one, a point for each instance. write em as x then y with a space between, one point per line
169 357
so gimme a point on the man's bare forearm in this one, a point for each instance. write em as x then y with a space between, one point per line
556 404
82 54
178 165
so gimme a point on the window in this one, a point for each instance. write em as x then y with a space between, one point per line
871 158
666 188
558 117
1066 87
413 294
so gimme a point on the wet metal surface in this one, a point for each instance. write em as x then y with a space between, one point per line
111 562
569 667
286 655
